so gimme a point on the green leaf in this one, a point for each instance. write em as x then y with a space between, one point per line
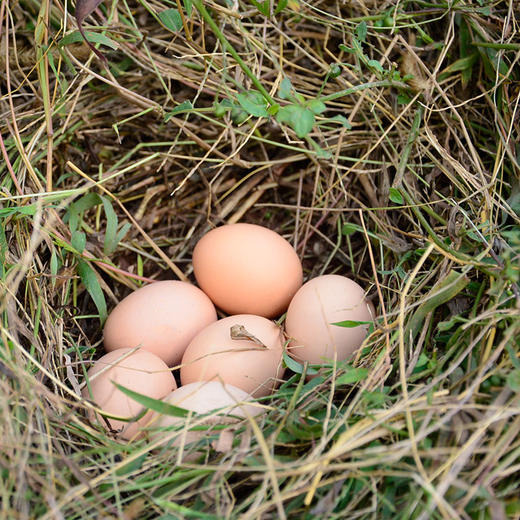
3 242
185 106
140 270
87 201
443 291
282 4
460 65
263 7
317 106
78 241
28 210
303 124
344 48
496 61
443 326
513 380
92 37
238 115
374 399
352 375
73 220
374 64
171 19
54 264
320 152
514 200
464 50
273 109
287 113
153 404
349 229
299 118
342 120
110 243
403 99
132 466
123 231
91 283
349 324
188 6
285 90
77 208
296 367
361 31
423 360
221 107
253 103
513 356
395 196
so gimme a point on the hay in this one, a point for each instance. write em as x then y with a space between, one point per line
407 181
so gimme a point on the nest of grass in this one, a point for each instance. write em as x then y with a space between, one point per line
397 166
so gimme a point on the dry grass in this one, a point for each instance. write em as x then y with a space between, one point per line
418 201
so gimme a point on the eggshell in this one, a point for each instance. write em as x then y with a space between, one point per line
162 317
247 269
318 304
140 371
246 364
226 401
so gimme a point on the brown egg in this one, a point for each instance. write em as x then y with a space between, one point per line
247 269
140 371
252 361
226 403
162 317
315 308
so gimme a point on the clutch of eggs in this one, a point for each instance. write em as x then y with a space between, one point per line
253 274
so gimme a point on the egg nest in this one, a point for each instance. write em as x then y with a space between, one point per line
379 138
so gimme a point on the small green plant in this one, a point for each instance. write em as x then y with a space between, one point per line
358 39
78 229
266 7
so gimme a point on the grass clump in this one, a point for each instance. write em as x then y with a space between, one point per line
380 138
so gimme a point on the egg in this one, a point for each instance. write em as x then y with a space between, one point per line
225 404
162 317
242 350
311 315
140 371
247 269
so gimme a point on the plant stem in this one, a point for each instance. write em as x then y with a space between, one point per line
498 46
363 86
209 20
